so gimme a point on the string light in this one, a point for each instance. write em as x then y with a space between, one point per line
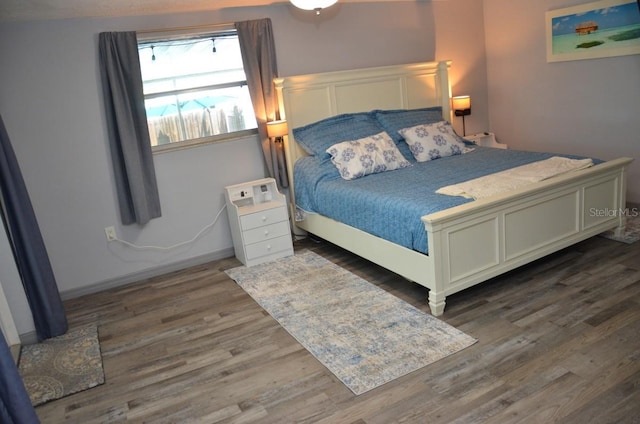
189 42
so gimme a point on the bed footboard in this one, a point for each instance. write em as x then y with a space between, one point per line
473 242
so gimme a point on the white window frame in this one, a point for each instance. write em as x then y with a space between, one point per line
146 37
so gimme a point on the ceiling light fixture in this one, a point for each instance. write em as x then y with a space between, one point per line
316 5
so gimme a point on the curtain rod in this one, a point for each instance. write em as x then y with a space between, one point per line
188 28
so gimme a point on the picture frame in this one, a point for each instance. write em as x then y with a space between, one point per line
598 29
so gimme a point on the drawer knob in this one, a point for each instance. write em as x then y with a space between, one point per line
268 247
264 218
266 232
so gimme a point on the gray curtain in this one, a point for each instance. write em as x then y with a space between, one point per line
127 125
259 60
28 246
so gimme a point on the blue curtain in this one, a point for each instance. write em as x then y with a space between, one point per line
129 140
15 405
29 251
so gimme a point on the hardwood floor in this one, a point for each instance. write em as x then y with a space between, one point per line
559 341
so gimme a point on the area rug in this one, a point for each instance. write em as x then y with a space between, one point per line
364 335
62 365
631 231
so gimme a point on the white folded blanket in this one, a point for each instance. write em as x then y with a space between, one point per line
515 178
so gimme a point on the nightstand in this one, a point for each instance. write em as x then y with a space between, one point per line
486 139
259 221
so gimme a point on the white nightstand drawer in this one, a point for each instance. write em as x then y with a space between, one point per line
267 232
259 221
269 247
265 217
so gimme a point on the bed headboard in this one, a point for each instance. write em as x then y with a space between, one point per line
304 99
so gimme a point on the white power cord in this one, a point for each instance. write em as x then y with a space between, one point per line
135 246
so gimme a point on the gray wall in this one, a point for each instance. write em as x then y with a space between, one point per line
50 102
587 107
10 281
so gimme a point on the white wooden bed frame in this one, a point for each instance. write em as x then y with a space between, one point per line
470 243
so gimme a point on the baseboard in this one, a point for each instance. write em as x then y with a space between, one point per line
148 273
15 352
28 338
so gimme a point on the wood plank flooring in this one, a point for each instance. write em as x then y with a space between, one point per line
559 341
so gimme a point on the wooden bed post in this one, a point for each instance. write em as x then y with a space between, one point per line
622 196
445 89
437 294
289 158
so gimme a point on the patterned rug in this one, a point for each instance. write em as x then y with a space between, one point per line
365 336
62 365
631 230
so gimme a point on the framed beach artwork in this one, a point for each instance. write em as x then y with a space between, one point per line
603 28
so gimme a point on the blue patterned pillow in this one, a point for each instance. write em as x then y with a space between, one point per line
317 137
393 121
369 155
433 141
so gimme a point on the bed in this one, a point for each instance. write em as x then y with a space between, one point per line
466 241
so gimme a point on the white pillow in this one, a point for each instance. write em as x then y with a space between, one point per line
432 141
369 155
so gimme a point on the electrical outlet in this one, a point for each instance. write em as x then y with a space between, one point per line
111 233
241 193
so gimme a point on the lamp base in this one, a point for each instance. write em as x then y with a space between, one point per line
463 113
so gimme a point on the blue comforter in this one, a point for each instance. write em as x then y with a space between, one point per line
390 204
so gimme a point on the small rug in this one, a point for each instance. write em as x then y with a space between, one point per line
364 335
62 365
631 231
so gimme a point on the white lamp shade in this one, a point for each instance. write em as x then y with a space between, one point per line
313 4
461 102
277 128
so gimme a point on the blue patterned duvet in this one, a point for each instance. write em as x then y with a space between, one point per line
390 204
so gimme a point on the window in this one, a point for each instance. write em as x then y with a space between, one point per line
195 88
